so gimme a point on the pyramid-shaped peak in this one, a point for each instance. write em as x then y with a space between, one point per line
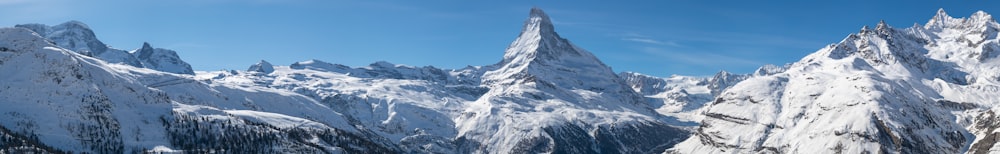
540 55
537 12
145 52
538 22
145 45
538 39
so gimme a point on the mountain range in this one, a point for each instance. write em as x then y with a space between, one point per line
922 89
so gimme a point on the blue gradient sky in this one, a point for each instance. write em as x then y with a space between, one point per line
652 37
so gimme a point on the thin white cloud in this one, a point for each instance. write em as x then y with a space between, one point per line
640 38
652 41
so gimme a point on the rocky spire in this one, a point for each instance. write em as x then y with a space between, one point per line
145 51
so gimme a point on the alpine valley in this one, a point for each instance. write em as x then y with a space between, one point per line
930 88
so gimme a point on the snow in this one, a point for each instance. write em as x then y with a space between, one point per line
929 88
884 88
78 37
492 105
122 105
164 149
279 120
262 66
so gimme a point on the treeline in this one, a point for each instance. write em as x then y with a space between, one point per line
200 134
11 142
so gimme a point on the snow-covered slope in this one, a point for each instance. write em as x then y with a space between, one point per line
545 96
548 95
77 36
414 113
683 97
57 100
922 89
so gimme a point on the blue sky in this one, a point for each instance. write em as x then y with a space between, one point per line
658 38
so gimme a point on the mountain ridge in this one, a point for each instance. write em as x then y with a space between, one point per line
77 36
315 106
884 90
921 89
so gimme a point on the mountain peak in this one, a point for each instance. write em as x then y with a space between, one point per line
145 52
161 59
76 36
262 66
881 25
941 13
539 55
73 24
539 43
981 17
538 40
538 21
940 20
864 29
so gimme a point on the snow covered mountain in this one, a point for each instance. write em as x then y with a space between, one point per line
56 100
77 36
69 92
548 95
683 97
921 89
